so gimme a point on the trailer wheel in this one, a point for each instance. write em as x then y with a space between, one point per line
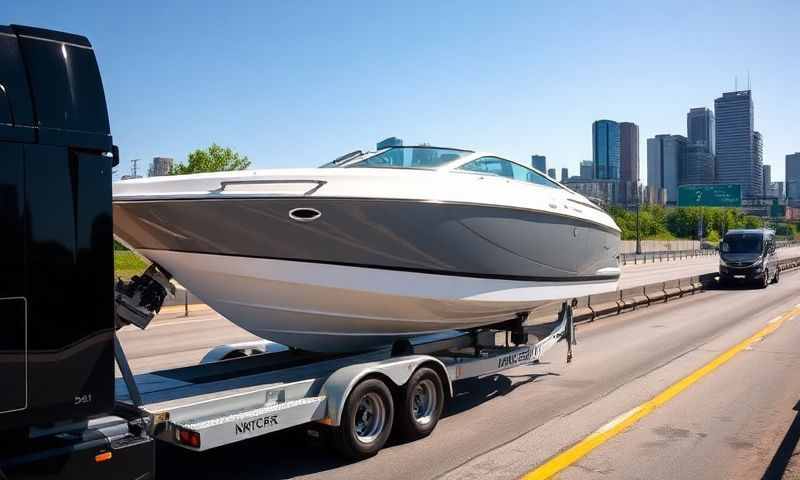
422 402
366 420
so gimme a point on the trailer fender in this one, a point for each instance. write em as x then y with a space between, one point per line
397 370
224 352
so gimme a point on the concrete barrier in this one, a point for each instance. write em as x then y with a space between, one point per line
614 303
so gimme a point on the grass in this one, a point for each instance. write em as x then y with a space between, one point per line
658 236
662 236
128 264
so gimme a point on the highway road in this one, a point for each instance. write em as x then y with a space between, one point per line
729 424
644 273
173 341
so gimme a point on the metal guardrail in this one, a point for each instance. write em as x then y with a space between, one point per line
669 255
591 307
664 256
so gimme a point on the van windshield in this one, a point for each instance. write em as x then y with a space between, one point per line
742 244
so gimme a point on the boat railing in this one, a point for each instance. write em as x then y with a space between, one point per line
226 183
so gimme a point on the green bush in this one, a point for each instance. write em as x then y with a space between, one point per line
656 222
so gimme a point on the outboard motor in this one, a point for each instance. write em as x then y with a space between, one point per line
138 300
56 245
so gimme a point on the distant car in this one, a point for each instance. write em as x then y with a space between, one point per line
748 256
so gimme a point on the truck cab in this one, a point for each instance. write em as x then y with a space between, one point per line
748 256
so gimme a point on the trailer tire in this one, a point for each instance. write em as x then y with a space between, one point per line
366 420
420 405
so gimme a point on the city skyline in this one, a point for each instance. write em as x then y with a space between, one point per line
294 72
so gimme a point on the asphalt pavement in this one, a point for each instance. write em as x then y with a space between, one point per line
730 424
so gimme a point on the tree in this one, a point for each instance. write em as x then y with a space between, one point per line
213 159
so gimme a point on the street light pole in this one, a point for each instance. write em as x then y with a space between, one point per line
702 230
638 236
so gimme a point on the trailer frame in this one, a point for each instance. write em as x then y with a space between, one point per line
217 403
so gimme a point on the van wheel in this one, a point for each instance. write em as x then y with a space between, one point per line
366 421
421 406
765 282
777 276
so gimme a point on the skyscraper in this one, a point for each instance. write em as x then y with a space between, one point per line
551 172
766 178
665 156
539 162
736 156
564 175
699 167
629 152
160 167
606 149
700 128
780 192
587 170
758 163
793 176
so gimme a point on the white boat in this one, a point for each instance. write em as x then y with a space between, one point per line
380 246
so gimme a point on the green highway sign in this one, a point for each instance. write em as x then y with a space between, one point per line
776 210
710 196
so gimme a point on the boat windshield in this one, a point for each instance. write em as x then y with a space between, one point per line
426 158
742 244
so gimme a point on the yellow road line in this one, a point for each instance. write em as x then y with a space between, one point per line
619 424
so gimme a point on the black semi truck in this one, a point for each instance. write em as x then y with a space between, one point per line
58 415
63 412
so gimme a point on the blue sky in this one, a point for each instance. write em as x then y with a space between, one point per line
297 83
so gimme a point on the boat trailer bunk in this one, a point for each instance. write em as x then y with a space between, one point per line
213 404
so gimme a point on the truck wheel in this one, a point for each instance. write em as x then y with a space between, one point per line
366 420
421 407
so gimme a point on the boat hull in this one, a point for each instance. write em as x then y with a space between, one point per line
368 271
485 241
334 308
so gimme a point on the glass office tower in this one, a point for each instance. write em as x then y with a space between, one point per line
606 149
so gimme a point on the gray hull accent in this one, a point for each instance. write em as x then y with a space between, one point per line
331 308
431 237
